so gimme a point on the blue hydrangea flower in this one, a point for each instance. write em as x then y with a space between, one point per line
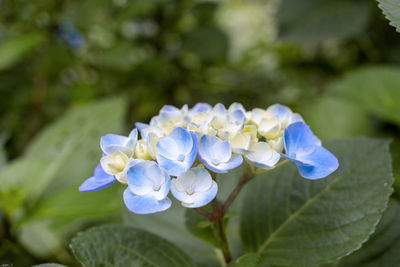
217 155
194 188
148 187
98 181
303 148
177 152
111 143
70 35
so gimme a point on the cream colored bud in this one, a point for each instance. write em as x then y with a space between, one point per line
141 150
269 127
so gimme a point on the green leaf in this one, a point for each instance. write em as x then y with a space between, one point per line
3 154
391 9
293 221
375 88
78 206
334 117
15 49
395 150
39 239
49 265
215 48
117 245
201 227
247 260
196 224
382 249
316 20
171 226
40 189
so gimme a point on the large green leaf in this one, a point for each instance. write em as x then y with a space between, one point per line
395 151
247 260
117 245
42 186
391 9
293 221
375 88
382 249
318 20
15 49
171 226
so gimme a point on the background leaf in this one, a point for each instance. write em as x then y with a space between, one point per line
40 190
293 221
49 265
374 88
333 117
391 9
117 245
316 20
15 49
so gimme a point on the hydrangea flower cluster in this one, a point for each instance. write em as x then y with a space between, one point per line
180 150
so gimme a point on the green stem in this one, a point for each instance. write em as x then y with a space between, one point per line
219 231
242 181
216 217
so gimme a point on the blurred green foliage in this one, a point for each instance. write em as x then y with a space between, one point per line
336 62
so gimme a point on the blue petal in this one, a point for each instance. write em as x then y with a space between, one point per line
138 181
219 109
236 106
144 204
191 157
205 147
203 198
279 110
235 161
222 151
183 139
238 115
299 139
167 148
92 184
201 107
213 150
101 175
318 164
169 108
133 135
111 140
172 167
141 126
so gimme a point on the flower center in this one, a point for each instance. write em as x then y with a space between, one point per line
181 157
190 191
156 187
215 161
